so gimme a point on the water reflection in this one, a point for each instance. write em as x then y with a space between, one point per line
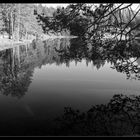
122 55
18 63
71 72
119 117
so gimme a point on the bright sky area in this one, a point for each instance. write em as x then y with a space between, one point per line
55 4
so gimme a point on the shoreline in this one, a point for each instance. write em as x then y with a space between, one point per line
6 43
55 36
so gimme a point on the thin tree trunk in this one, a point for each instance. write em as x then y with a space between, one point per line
14 28
18 31
11 24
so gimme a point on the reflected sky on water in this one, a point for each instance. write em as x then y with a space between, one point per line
38 81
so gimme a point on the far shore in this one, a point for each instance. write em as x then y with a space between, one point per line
55 36
6 43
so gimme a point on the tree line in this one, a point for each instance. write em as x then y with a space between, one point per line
19 21
90 20
24 21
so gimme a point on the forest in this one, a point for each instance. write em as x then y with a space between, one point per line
33 21
19 21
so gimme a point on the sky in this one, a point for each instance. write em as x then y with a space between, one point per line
134 6
55 4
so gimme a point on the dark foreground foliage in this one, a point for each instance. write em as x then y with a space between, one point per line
120 117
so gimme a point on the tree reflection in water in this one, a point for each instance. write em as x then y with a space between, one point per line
13 82
122 55
120 117
18 64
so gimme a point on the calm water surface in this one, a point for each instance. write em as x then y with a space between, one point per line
38 81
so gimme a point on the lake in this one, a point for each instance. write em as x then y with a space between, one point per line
38 80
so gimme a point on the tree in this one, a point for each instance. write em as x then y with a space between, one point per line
7 17
119 117
28 22
19 20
